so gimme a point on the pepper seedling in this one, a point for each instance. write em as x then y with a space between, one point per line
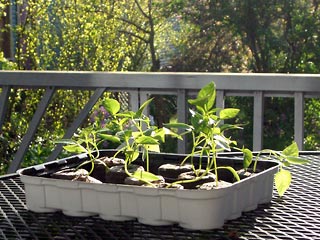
286 157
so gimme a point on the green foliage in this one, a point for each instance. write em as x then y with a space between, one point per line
131 131
282 181
5 64
71 35
87 141
137 135
290 155
312 124
208 139
207 130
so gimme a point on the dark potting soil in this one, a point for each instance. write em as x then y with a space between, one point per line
191 183
171 172
117 174
111 170
75 175
101 165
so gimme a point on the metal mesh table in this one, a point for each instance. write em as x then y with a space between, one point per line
295 216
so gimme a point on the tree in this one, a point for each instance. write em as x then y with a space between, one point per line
71 35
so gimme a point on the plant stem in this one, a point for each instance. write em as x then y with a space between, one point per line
140 179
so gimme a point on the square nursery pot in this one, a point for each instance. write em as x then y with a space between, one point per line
190 208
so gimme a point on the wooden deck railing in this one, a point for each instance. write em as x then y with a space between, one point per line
140 85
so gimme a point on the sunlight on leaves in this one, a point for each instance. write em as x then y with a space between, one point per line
282 181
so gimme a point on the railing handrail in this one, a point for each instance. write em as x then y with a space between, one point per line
276 82
140 84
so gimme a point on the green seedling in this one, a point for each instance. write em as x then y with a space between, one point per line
287 157
207 132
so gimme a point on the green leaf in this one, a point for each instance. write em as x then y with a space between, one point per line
159 134
247 157
112 106
131 155
126 134
167 131
296 160
222 142
198 102
229 113
291 150
136 134
138 114
103 130
215 130
286 163
126 115
152 147
206 97
147 140
282 181
110 138
146 176
75 148
229 126
178 125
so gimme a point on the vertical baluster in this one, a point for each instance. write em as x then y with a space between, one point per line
258 115
182 112
299 119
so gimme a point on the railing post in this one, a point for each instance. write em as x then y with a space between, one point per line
182 113
32 128
143 97
258 110
133 100
220 101
299 119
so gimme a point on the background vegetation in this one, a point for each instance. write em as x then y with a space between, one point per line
161 35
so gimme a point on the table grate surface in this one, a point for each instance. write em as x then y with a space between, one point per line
295 216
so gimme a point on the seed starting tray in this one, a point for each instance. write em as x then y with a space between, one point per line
295 216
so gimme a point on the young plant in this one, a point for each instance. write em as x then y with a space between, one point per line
138 136
131 130
290 155
208 139
87 141
207 131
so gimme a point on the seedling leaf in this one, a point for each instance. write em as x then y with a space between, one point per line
178 125
131 155
75 148
110 138
206 97
143 106
247 157
146 140
228 113
153 147
282 181
296 160
146 176
112 106
291 150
